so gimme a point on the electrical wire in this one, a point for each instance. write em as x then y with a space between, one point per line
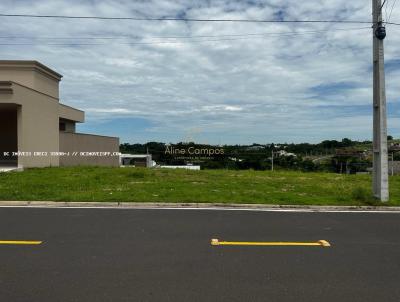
387 3
183 37
169 42
391 10
183 19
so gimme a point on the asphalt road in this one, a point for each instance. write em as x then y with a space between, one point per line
165 255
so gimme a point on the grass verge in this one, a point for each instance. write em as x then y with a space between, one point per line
165 185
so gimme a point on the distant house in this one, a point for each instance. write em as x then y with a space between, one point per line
137 160
285 153
394 167
187 167
351 152
36 130
255 148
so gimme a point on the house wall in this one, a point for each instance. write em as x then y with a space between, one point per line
33 75
37 124
69 113
79 142
396 167
33 90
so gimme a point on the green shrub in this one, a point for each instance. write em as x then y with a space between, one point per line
364 195
137 174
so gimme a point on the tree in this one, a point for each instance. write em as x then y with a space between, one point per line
346 142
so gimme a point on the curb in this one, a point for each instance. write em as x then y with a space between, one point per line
222 206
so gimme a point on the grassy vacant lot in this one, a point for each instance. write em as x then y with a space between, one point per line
165 185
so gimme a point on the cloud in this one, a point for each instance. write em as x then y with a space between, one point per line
236 82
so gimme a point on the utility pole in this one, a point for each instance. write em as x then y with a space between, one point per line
392 163
380 152
272 160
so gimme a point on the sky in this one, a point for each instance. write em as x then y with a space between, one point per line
211 82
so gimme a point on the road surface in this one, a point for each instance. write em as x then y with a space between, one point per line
165 255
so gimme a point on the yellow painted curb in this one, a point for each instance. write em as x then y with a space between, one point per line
20 242
322 243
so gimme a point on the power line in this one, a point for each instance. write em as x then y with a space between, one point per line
183 37
387 3
391 10
170 42
184 19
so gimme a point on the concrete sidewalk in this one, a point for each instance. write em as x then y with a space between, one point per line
183 205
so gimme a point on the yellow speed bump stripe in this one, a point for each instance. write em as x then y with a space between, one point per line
20 242
322 243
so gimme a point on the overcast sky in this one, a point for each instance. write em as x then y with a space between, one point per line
211 82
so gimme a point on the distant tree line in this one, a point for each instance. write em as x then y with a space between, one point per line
345 156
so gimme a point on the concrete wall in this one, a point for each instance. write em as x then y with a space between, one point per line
69 113
37 126
32 89
31 74
79 142
396 167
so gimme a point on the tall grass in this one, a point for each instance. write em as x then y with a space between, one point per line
165 185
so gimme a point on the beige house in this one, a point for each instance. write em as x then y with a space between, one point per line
36 130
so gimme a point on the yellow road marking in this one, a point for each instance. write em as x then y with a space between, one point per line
323 243
20 242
